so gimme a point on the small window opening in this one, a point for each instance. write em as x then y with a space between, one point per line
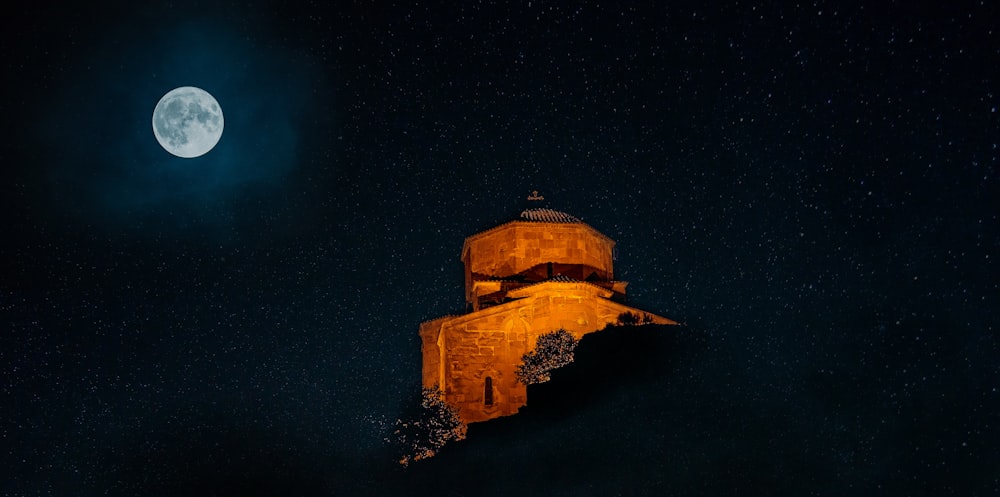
488 393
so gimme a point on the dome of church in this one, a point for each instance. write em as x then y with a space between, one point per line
548 216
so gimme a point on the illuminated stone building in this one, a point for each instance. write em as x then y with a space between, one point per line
544 271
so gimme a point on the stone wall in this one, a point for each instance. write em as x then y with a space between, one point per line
518 246
460 352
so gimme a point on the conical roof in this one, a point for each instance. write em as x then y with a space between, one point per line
548 216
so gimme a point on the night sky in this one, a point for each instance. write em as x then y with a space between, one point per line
813 188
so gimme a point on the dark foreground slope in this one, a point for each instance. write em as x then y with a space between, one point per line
659 410
599 427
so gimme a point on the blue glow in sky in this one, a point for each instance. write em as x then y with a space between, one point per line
105 163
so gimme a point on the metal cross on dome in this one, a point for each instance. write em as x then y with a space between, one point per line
535 196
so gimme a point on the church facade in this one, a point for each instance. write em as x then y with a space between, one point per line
542 272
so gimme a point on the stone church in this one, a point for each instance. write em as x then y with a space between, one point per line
544 271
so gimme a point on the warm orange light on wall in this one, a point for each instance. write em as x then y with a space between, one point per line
544 271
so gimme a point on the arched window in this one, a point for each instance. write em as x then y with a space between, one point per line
488 392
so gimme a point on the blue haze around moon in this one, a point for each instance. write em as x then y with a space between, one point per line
110 171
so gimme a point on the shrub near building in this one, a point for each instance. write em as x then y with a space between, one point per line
553 350
426 430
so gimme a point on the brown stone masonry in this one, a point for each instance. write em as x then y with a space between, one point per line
523 279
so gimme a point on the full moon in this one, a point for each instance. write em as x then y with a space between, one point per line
187 122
